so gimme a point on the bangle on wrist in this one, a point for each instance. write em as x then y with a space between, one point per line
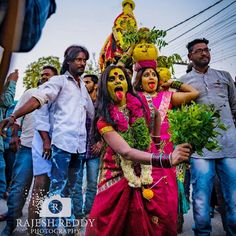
161 160
176 84
160 157
156 139
159 143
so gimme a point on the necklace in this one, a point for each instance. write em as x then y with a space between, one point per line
151 107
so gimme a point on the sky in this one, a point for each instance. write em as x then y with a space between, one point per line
89 23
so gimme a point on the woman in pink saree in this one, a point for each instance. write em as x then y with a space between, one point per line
121 206
146 84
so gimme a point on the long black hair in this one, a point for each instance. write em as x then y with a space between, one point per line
104 100
138 79
70 54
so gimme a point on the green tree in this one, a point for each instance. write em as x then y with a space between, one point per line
33 71
92 66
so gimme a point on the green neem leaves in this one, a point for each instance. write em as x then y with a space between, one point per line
197 124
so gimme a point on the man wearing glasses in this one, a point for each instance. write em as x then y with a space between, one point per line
215 87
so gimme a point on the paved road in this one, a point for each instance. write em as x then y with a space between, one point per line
217 229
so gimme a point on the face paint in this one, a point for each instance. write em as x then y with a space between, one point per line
117 86
145 51
149 80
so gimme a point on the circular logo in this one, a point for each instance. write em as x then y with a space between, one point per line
55 206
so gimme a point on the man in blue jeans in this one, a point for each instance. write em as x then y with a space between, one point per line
90 160
73 102
216 87
22 172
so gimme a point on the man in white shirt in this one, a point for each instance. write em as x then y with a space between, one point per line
22 169
43 120
72 102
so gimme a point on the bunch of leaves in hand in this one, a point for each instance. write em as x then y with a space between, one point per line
197 124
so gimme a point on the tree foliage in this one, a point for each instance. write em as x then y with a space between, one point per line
33 71
92 66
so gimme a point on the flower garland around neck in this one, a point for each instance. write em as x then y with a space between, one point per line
134 130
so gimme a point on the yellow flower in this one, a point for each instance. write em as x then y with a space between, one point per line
148 194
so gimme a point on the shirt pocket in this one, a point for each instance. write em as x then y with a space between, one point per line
220 88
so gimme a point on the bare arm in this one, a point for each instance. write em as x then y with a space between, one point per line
31 105
28 107
7 98
46 144
15 139
119 145
185 94
157 129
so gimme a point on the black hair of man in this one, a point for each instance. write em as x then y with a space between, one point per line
196 41
94 78
70 54
69 48
52 68
189 67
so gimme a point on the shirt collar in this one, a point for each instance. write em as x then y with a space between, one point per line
69 75
199 72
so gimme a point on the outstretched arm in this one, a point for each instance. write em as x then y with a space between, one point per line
181 153
28 107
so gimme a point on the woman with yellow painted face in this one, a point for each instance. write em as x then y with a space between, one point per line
121 206
147 85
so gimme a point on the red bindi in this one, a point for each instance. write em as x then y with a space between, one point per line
115 73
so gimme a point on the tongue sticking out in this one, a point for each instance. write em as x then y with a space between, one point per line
152 85
119 95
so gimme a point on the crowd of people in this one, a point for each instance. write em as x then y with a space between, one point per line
101 148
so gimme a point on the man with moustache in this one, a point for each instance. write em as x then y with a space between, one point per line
72 102
216 87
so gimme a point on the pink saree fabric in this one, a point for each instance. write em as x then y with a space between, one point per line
120 210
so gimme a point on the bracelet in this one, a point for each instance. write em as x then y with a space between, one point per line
176 84
162 160
155 136
160 157
151 159
158 143
156 139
